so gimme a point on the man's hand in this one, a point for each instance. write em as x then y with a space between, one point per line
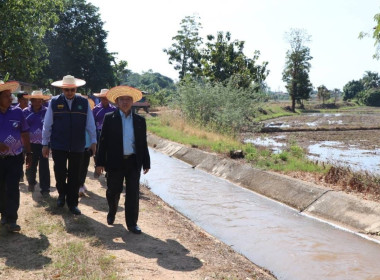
45 151
99 170
93 148
3 147
28 160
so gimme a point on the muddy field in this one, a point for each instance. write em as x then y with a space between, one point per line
343 138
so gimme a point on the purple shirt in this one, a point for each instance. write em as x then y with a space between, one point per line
12 124
99 111
35 121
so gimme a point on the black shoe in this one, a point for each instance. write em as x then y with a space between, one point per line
31 188
135 229
46 195
13 227
3 220
75 210
61 201
110 219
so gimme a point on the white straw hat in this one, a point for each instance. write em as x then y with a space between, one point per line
37 94
12 86
69 82
118 91
102 93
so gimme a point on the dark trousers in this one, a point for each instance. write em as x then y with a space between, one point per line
43 169
67 169
84 167
115 179
10 171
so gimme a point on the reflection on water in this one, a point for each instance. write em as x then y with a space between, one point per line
357 159
334 152
270 234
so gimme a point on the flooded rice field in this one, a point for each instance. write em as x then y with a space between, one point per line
344 139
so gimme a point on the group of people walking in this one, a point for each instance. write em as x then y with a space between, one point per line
72 131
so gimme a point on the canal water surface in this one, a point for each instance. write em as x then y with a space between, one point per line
289 244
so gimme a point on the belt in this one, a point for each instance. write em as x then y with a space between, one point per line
128 156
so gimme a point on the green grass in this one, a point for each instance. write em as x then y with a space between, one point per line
293 159
76 260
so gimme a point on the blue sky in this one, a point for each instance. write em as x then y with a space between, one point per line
140 30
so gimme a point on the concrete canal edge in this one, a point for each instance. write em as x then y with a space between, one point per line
345 210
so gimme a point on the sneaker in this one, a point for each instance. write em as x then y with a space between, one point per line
13 227
81 191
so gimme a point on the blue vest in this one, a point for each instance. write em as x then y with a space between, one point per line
69 126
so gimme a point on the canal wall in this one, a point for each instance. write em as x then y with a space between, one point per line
359 215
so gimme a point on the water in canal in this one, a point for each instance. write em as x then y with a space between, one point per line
274 236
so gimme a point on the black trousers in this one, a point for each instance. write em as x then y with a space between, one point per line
67 169
10 172
84 167
43 169
115 179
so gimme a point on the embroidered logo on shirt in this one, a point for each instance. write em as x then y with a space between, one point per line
60 106
80 107
15 124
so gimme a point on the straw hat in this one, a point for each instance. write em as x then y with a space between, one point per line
12 86
90 101
69 82
118 91
38 95
102 93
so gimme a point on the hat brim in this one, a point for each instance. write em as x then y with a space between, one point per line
118 91
91 102
60 84
12 86
44 97
100 94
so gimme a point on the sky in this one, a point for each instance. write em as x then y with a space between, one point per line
139 31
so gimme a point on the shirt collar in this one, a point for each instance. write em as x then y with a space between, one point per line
123 115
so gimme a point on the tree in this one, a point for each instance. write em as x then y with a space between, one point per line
184 52
23 26
297 67
149 81
223 59
370 80
77 46
336 93
121 72
375 35
351 89
323 93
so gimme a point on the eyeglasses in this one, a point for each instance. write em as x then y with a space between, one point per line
69 89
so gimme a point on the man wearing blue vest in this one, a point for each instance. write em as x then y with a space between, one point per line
67 119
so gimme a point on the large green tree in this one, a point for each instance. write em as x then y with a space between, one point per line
223 59
351 89
77 46
23 24
297 67
184 52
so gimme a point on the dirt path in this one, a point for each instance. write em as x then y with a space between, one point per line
53 244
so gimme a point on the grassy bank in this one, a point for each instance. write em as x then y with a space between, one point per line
173 127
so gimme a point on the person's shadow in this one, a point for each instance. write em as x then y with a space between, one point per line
170 254
23 252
